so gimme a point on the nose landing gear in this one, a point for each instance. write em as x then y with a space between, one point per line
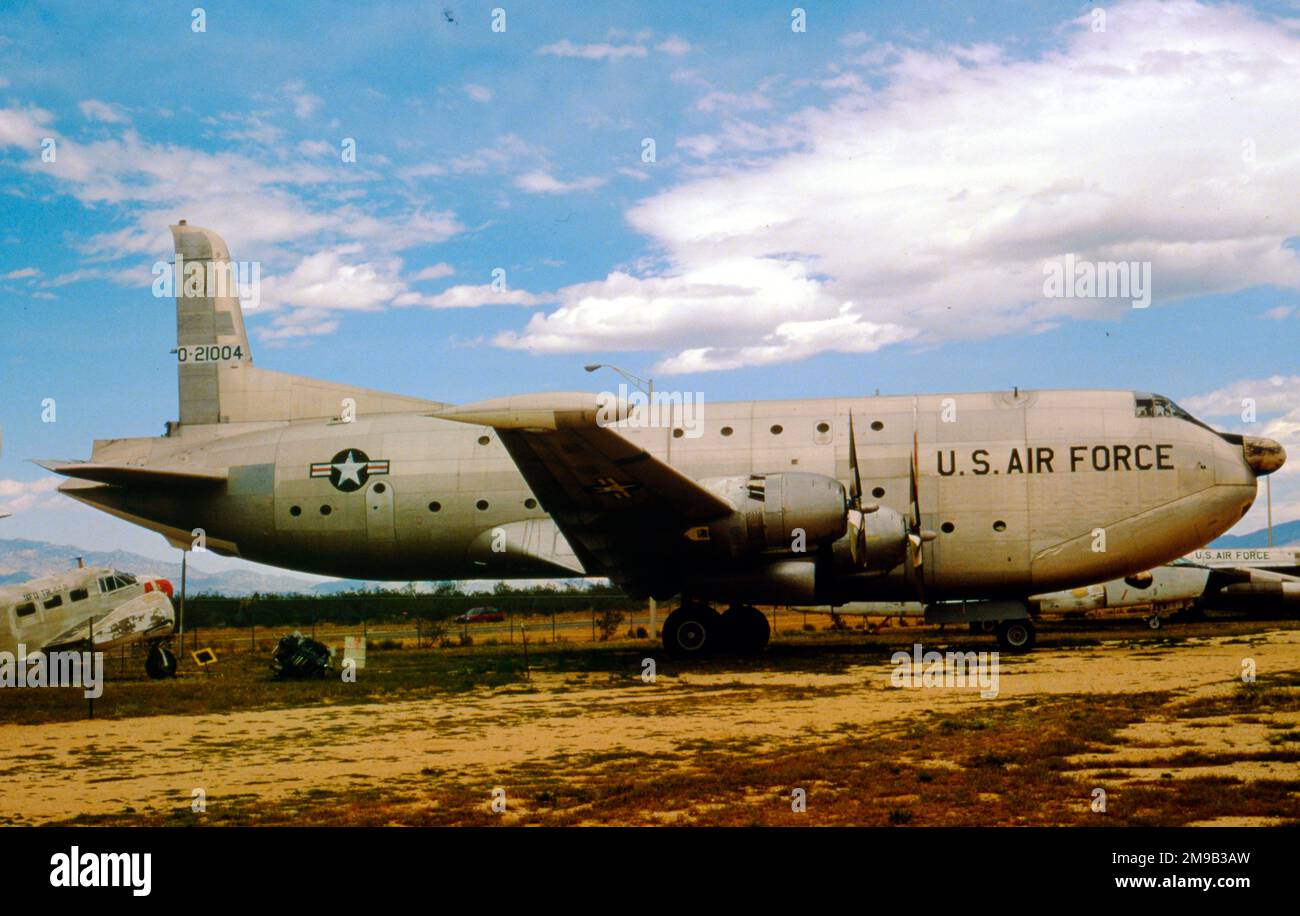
1015 635
160 662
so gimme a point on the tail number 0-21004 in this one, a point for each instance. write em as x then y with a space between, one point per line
209 353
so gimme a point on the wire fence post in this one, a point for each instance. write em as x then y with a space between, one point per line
90 642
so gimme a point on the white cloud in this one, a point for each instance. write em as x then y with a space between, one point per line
1270 395
566 48
304 103
1279 313
470 296
435 272
622 312
297 324
95 110
328 280
316 148
674 46
23 127
731 101
478 93
539 182
930 196
27 495
22 273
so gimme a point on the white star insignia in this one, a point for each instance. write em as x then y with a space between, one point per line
350 469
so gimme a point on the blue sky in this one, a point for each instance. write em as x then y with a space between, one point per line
868 203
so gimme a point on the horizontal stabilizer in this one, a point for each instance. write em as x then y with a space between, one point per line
126 475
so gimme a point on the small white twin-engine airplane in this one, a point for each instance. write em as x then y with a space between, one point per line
967 502
90 609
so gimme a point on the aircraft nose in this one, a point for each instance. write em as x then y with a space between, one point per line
1264 456
163 585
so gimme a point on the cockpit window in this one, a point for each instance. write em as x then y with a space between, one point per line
1157 405
125 579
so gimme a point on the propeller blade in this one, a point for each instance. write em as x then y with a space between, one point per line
855 485
916 538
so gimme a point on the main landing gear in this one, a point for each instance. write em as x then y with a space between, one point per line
696 630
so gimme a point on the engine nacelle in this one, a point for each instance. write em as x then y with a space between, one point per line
882 546
784 581
776 512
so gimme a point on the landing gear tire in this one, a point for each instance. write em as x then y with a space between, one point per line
1015 635
160 663
747 629
693 631
1154 622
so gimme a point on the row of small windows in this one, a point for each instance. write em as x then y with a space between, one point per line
948 527
27 608
435 506
775 429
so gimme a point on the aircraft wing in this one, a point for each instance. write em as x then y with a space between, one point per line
615 503
126 475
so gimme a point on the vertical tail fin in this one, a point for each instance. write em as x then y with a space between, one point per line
210 336
218 382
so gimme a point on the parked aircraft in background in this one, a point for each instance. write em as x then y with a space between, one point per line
92 609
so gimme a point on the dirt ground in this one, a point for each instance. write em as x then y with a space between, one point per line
1165 725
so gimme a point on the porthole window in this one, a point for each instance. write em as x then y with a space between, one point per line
326 510
380 488
435 506
727 430
295 511
678 433
877 425
947 527
878 492
777 429
999 525
481 504
823 427
530 503
483 440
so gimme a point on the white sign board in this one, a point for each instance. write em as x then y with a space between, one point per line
354 648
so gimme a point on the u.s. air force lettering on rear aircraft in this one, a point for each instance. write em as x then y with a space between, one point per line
1138 456
803 502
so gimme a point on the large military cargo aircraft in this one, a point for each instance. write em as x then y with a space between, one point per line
990 496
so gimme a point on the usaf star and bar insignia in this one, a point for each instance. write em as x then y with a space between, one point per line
349 469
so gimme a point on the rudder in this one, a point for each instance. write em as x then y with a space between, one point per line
210 335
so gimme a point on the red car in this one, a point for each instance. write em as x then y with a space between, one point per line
481 615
